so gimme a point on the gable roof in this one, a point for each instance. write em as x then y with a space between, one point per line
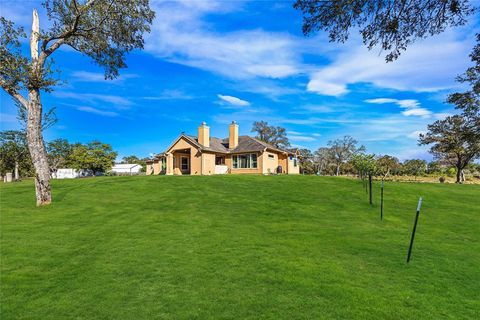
245 144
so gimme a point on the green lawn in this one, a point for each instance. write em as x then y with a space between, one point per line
237 247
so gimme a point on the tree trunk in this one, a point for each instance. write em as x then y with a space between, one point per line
36 146
37 149
338 170
17 176
459 174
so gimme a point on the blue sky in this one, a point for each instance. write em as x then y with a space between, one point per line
219 61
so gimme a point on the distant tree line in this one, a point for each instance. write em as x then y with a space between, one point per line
94 156
344 159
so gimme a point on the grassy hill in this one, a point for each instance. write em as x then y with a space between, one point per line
290 247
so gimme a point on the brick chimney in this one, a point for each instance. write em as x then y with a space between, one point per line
204 135
233 135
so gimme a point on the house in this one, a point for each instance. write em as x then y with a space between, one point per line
126 168
205 155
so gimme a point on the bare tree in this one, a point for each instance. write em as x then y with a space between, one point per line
104 30
342 150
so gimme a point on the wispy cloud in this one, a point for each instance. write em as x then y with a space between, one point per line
412 106
180 35
301 138
422 68
98 111
416 134
85 76
173 94
234 101
119 101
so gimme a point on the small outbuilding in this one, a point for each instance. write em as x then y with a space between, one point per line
126 168
69 173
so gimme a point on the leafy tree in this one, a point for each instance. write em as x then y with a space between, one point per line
434 167
306 161
365 164
387 164
102 30
95 156
392 24
414 167
276 136
59 152
456 139
14 154
342 150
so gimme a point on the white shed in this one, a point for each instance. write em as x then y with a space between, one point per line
69 173
126 168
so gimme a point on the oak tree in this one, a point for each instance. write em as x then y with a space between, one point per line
276 136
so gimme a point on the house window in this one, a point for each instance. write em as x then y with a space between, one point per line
184 163
294 162
245 161
271 156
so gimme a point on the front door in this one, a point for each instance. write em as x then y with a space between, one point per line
185 164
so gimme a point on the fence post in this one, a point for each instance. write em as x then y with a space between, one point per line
370 187
381 202
414 229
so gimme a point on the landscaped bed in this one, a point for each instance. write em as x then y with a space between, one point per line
290 247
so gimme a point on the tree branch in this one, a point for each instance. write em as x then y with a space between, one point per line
17 96
61 38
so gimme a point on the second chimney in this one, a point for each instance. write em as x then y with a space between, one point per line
204 135
233 135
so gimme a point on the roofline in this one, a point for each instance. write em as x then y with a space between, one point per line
183 135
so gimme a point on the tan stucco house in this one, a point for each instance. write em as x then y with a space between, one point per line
205 155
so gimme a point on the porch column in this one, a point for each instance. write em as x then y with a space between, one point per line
169 164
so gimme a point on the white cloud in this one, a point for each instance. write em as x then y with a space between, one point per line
412 106
421 112
98 111
415 134
426 66
170 94
85 76
120 102
180 35
233 100
301 138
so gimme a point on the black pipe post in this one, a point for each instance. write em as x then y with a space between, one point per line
365 183
381 202
370 187
414 229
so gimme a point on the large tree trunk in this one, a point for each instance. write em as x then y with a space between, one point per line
338 170
459 175
34 123
37 149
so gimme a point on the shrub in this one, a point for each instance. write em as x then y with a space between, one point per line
442 179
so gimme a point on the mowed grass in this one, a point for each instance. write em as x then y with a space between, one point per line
238 247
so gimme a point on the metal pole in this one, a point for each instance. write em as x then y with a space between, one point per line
381 202
370 187
414 229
